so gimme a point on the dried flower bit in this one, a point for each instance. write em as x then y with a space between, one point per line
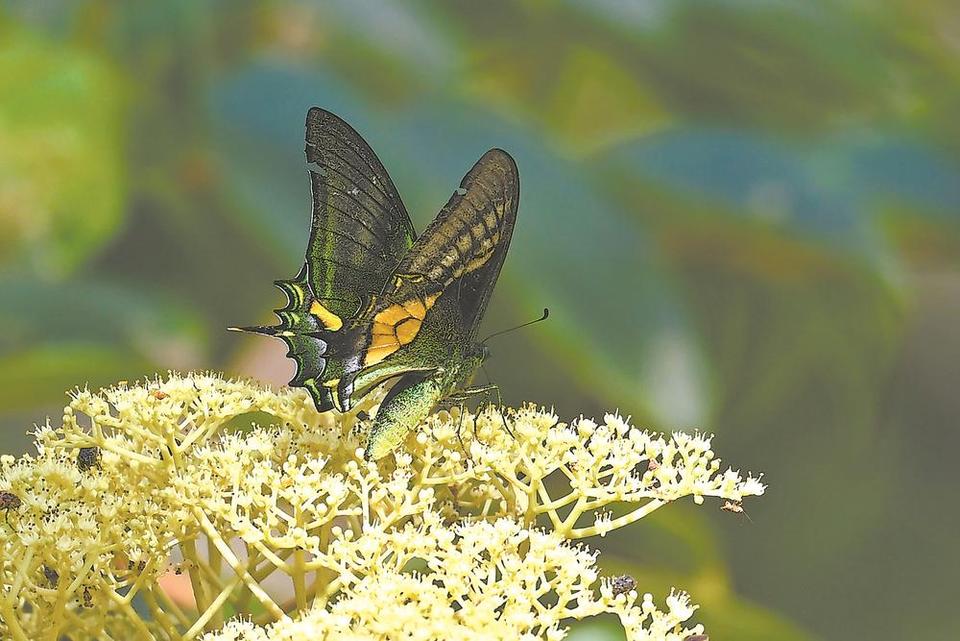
623 584
88 458
159 395
140 566
697 637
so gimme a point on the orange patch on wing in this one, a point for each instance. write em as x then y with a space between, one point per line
395 326
327 318
407 330
418 308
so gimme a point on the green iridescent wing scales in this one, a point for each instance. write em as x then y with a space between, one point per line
359 231
360 228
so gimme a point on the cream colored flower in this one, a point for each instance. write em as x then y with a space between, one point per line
455 536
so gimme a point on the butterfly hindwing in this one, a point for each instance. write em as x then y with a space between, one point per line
359 232
485 209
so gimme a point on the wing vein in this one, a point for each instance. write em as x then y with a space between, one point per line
358 220
360 173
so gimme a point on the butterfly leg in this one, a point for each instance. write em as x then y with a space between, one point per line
457 400
496 388
460 432
486 391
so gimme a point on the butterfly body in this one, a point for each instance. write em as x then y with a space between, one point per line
373 303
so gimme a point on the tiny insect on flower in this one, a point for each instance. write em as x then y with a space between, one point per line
623 584
88 457
9 501
732 506
735 507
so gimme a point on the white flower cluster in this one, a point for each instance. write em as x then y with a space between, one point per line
465 530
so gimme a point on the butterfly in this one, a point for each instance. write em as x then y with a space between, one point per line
375 303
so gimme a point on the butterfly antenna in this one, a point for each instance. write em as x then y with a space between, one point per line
543 317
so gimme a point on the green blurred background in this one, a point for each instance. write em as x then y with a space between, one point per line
744 216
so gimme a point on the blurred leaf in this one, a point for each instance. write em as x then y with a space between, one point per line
61 176
627 18
815 192
407 36
98 315
745 621
925 243
41 375
601 628
258 143
597 102
779 65
724 614
675 541
767 271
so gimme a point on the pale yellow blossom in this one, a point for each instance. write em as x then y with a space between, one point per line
462 533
